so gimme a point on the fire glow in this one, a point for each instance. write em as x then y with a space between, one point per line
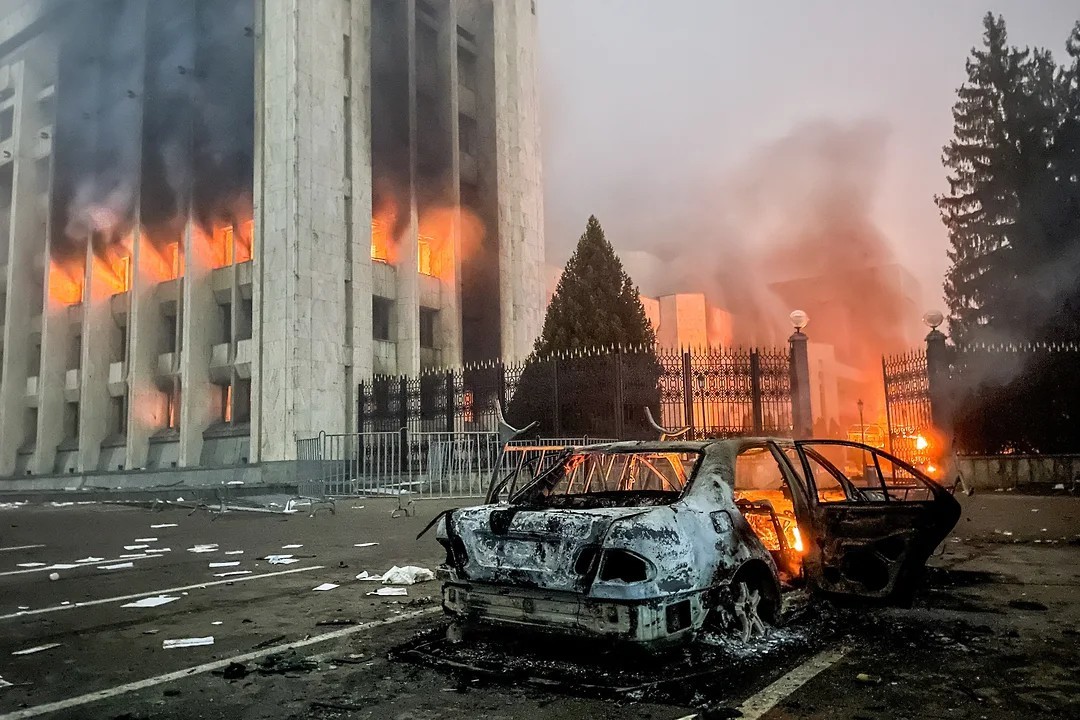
437 230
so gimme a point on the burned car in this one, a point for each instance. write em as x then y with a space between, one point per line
652 542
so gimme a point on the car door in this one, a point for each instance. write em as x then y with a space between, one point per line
875 519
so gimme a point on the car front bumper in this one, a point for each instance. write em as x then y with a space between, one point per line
655 621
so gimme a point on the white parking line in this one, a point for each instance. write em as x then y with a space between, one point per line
756 706
121 598
21 547
205 668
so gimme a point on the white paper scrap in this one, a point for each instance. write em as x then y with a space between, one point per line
31 565
187 642
145 540
117 566
136 547
163 525
390 591
4 683
90 559
39 648
291 547
150 602
24 607
368 576
234 563
407 575
325 586
216 622
367 544
134 556
280 559
203 548
232 572
234 552
158 550
62 566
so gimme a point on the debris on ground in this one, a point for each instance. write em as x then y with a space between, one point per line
232 563
367 544
407 575
36 649
146 540
234 552
30 565
1026 605
116 566
269 642
291 547
149 602
286 662
207 548
324 586
368 576
336 621
281 559
187 642
234 671
868 679
390 592
163 525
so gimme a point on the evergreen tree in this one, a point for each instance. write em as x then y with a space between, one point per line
596 303
593 369
981 208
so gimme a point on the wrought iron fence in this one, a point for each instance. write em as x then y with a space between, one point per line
717 392
908 408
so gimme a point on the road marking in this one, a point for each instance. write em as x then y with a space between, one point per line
206 667
770 697
141 556
121 598
21 547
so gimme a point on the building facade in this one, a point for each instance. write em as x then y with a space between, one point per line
217 217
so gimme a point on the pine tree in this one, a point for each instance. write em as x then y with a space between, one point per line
593 369
596 304
981 208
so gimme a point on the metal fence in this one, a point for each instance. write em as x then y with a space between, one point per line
716 392
908 409
420 465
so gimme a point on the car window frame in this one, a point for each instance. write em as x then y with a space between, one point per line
807 446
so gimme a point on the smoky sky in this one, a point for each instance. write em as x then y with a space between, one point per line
654 110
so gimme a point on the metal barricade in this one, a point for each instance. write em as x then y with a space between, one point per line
451 464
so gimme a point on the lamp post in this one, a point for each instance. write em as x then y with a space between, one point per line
801 413
862 425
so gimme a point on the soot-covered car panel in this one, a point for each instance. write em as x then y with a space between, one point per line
649 542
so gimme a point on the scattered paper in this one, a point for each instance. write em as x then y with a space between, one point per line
159 550
233 572
117 566
281 559
4 683
216 622
163 525
407 575
134 556
187 642
63 566
357 507
150 602
368 544
203 548
325 586
234 563
1059 486
90 559
145 540
136 547
291 547
39 648
31 565
390 592
368 576
234 552
235 482
24 607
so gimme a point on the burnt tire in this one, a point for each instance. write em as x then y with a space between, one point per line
748 611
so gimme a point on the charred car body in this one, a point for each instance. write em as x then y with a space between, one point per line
650 542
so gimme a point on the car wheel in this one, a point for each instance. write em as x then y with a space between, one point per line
745 614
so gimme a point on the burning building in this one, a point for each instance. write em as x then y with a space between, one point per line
217 217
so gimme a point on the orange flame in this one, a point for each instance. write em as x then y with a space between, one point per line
435 242
111 269
383 244
65 283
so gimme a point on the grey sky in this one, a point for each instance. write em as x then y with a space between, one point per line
647 102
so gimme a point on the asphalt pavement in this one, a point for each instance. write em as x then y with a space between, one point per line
994 635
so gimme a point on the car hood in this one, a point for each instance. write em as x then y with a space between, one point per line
537 548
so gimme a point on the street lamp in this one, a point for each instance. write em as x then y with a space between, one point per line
933 318
862 426
800 320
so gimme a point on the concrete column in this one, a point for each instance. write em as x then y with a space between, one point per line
25 236
937 370
408 279
802 416
200 400
146 407
360 188
300 258
450 315
521 212
94 364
